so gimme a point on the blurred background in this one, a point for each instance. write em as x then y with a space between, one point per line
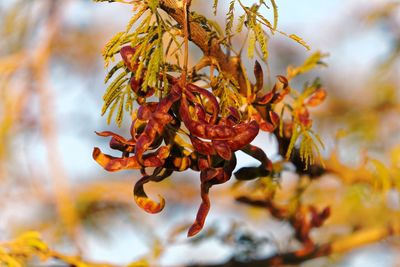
51 86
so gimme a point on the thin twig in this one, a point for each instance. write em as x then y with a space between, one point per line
186 42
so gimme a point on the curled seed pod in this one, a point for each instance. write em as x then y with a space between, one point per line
210 131
265 99
118 142
210 98
258 73
202 147
203 130
263 124
112 164
140 196
245 135
127 53
181 163
234 115
209 177
156 123
222 148
249 173
274 118
136 86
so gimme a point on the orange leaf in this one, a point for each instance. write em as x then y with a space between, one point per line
316 98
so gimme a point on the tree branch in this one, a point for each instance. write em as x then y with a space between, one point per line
353 241
209 45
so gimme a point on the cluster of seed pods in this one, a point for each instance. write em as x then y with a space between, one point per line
156 144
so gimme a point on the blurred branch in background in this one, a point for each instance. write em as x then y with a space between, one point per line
35 56
30 30
41 66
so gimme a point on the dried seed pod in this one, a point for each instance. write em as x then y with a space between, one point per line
209 177
258 73
112 164
127 53
140 196
249 173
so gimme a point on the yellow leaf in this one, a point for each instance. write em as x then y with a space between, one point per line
140 263
299 40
